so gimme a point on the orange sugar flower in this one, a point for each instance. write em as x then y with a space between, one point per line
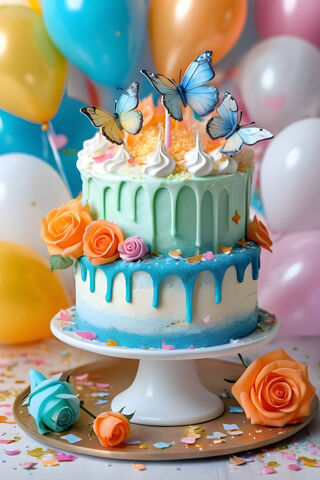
111 428
63 228
100 242
275 390
258 233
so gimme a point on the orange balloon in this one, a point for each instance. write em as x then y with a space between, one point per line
30 295
181 29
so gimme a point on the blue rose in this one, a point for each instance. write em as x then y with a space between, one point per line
51 402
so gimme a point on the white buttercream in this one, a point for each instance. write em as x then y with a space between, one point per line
198 162
160 164
223 164
114 164
93 147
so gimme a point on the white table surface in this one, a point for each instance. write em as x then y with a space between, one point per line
52 355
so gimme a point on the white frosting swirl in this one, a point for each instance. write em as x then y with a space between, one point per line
111 165
160 164
222 164
93 147
198 162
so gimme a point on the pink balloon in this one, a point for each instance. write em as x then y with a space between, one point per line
289 283
288 17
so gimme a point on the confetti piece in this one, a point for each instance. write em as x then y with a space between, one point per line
230 426
288 455
273 464
219 440
139 466
196 258
259 430
243 242
313 449
167 347
133 442
112 343
82 378
189 440
12 453
236 217
6 441
225 250
155 253
65 457
293 466
308 462
3 419
237 460
64 316
268 470
162 445
174 253
103 385
71 438
235 409
29 465
40 452
87 335
101 402
216 435
206 319
143 446
50 462
235 432
209 256
194 430
100 394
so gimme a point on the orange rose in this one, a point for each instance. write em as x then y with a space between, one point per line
100 242
275 390
63 228
111 428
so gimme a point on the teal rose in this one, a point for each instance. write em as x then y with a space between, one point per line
52 402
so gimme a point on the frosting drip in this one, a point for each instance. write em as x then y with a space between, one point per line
160 164
159 268
198 162
223 165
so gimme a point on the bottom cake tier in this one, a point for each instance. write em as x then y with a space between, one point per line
162 302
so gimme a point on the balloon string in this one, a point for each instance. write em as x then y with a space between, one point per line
56 156
167 132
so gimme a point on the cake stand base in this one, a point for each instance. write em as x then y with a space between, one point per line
167 390
168 393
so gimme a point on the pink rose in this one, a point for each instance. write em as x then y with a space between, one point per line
133 248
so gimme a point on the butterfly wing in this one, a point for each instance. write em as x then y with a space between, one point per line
112 132
252 135
131 121
218 127
129 99
202 99
168 91
96 115
233 144
228 110
200 71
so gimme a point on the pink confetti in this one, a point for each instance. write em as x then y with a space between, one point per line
36 361
209 256
6 441
82 378
294 466
167 347
28 465
65 457
206 319
103 385
6 405
268 470
313 449
87 335
64 316
192 347
189 440
11 453
6 363
288 455
110 153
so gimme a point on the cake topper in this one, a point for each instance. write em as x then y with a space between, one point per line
201 98
227 125
125 116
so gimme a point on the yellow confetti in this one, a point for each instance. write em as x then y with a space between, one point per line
143 446
112 343
194 430
196 258
309 462
40 452
273 464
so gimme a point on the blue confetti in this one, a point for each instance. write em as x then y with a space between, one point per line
100 394
101 402
71 438
235 409
162 445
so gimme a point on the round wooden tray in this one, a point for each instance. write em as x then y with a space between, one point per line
119 373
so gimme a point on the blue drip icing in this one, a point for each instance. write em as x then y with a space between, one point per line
159 268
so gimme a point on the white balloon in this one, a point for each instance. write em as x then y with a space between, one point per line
29 189
290 178
279 82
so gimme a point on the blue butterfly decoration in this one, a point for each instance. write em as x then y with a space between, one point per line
125 116
227 125
192 91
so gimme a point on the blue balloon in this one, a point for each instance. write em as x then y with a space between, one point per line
104 38
71 129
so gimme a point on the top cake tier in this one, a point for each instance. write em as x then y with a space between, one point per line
192 199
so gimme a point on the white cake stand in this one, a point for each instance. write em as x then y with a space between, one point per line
167 390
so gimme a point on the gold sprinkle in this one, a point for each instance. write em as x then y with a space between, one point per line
236 217
196 258
112 343
143 446
225 250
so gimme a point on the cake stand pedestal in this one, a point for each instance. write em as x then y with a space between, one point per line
167 390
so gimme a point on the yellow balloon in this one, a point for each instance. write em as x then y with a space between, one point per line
32 71
30 295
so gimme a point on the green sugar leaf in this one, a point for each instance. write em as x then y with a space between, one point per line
60 263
